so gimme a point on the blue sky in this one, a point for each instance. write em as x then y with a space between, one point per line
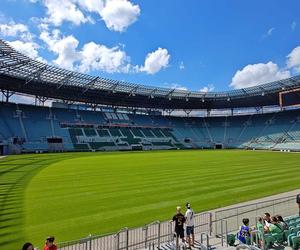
211 45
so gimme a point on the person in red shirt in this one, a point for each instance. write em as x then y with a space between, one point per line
50 244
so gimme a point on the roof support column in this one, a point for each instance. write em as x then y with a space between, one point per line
169 111
40 100
187 112
93 106
7 94
208 112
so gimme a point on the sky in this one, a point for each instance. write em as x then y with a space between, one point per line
201 45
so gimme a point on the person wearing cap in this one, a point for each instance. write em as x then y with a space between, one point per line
179 221
189 217
49 245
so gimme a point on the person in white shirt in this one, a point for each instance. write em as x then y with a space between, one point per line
189 220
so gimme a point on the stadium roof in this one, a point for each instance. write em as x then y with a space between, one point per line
21 74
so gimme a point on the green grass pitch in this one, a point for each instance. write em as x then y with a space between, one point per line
74 194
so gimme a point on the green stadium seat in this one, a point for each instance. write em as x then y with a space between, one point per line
230 239
296 242
115 132
162 143
289 238
99 145
103 132
279 238
81 147
136 132
90 132
269 240
286 234
147 132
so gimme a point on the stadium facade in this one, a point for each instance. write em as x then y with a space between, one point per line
94 113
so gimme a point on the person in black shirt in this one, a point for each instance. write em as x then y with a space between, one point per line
298 201
179 221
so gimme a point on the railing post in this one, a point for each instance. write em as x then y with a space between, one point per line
237 218
118 241
207 239
256 210
170 232
226 232
210 224
158 240
127 238
146 235
90 242
222 234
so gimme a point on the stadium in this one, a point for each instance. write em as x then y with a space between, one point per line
227 150
149 125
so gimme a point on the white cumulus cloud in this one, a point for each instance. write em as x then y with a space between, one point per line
256 74
12 29
119 14
116 14
175 86
155 61
208 88
29 49
92 5
99 57
293 59
90 57
63 47
66 10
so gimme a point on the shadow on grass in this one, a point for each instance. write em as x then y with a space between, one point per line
15 174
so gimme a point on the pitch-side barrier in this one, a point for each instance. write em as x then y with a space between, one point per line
156 234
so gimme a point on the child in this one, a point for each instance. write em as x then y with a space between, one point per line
260 225
244 232
260 228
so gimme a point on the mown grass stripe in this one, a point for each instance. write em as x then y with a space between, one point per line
72 195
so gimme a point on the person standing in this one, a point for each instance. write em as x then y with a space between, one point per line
49 245
179 220
244 232
189 220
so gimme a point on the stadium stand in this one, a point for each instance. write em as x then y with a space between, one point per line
88 130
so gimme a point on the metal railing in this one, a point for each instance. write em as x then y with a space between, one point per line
150 236
155 234
283 206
